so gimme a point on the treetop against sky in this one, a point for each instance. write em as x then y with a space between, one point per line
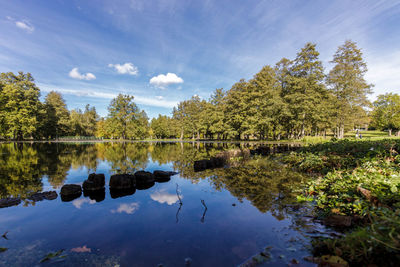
163 52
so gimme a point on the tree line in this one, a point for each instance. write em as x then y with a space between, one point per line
24 116
290 100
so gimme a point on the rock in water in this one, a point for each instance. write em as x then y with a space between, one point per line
97 195
70 192
49 195
143 177
8 202
122 181
94 182
116 193
338 221
70 189
163 176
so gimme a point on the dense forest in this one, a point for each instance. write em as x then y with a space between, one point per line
293 99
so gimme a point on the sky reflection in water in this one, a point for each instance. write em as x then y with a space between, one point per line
148 227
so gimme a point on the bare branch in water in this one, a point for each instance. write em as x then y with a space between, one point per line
5 235
177 193
180 203
205 210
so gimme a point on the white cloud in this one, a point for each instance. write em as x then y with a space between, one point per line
127 208
162 80
160 97
80 201
164 197
127 68
25 25
74 73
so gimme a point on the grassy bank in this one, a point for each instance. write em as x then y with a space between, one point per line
357 181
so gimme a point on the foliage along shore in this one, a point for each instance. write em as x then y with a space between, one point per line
356 183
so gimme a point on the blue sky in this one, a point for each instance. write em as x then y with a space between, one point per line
166 51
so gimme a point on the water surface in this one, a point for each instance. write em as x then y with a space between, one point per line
246 207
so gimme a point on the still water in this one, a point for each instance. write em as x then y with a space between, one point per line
227 215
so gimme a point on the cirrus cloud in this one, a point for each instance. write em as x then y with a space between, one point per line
22 24
127 68
162 80
74 73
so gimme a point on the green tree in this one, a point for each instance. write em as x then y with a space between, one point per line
57 115
386 112
305 89
215 113
89 120
125 120
347 84
20 105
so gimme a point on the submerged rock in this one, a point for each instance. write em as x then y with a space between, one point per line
214 162
116 193
49 195
122 181
94 182
8 202
144 186
98 195
70 189
70 192
163 176
338 221
143 177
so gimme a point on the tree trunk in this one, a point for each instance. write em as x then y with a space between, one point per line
390 132
181 134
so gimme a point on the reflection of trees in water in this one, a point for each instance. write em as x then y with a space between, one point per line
19 170
125 157
267 185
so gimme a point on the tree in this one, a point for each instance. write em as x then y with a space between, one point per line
386 112
235 109
89 120
215 113
57 115
347 84
125 120
20 105
305 89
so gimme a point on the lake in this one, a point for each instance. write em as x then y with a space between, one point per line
228 215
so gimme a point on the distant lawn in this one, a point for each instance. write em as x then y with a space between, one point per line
375 135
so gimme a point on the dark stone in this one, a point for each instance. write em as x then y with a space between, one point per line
98 195
68 198
214 162
122 181
144 186
116 193
163 176
143 177
338 221
70 192
94 182
200 165
49 195
71 189
8 202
